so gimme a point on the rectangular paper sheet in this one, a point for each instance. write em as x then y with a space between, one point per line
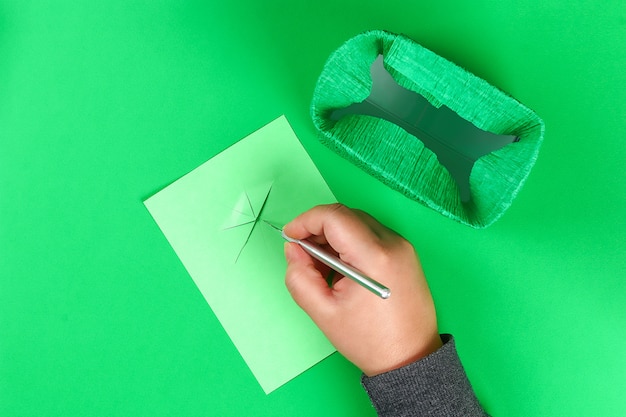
214 219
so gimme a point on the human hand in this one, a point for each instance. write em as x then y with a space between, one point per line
377 335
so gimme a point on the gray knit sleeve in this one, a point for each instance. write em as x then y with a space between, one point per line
432 386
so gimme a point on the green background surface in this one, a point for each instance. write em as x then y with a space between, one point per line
103 103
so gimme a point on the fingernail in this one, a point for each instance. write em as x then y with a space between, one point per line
287 251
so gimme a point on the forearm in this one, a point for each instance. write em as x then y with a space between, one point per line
433 386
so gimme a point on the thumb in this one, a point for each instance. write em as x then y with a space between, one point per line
305 282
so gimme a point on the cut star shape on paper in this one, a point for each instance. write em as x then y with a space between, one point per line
248 211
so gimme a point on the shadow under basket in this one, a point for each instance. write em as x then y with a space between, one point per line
426 127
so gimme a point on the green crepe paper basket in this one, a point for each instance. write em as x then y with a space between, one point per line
395 157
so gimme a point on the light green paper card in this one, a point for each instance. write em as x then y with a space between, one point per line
213 219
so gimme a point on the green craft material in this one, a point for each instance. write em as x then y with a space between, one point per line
214 218
456 142
400 160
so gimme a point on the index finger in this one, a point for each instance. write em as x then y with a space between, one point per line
354 236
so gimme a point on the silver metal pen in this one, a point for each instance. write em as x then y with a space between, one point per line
336 264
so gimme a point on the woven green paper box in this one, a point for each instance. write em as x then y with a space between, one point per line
399 159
